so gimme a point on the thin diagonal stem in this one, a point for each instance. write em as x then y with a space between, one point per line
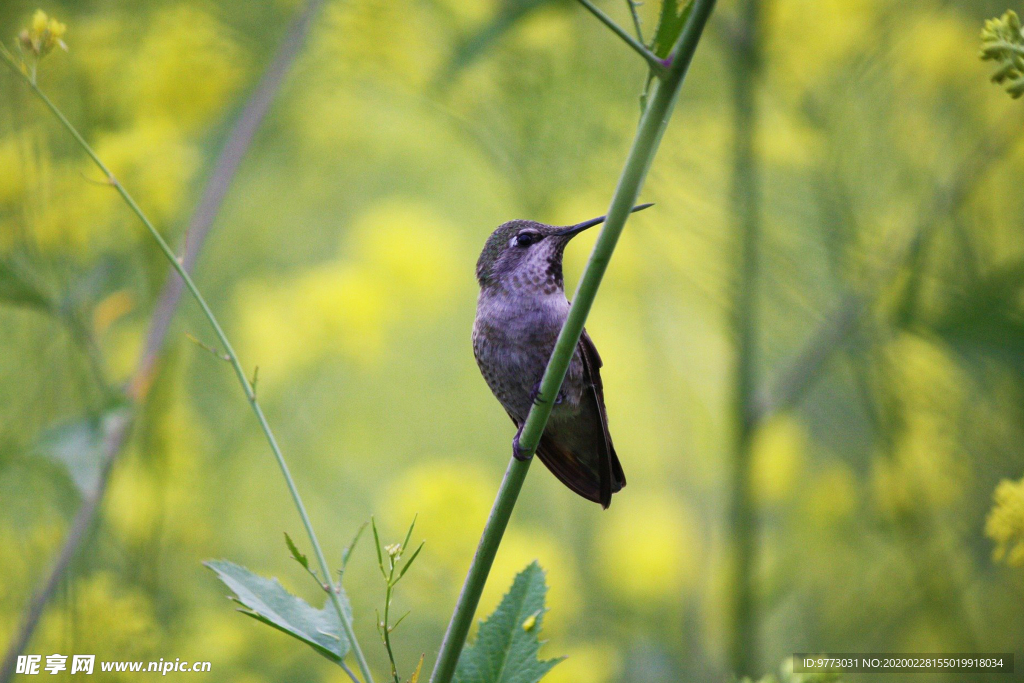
641 155
349 672
636 19
225 168
657 66
243 380
119 429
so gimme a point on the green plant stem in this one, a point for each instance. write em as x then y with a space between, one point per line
657 66
645 145
387 628
636 19
746 200
250 394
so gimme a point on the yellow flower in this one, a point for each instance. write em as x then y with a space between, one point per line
113 619
400 263
44 34
1005 523
649 551
779 449
17 167
827 33
831 497
922 471
34 545
156 160
334 308
452 500
936 51
545 28
414 252
186 69
39 21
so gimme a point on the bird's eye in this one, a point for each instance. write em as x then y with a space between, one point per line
525 239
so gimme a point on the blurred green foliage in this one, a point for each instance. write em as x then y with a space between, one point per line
343 265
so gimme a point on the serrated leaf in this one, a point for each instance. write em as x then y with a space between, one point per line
505 651
296 553
267 600
79 446
670 25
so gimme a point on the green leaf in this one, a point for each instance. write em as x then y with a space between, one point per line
376 541
17 288
267 600
416 674
79 446
408 563
506 649
1002 41
347 552
296 553
405 543
670 25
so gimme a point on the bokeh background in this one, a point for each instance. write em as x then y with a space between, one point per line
342 264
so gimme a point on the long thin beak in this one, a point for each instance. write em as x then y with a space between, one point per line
580 227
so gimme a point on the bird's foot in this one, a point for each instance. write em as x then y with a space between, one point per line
517 452
536 399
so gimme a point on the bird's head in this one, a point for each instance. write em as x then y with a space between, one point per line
526 255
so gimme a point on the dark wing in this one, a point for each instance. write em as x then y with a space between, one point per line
610 467
570 471
566 467
603 475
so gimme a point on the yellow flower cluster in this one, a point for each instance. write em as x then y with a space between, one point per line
650 550
779 452
154 86
113 619
43 35
400 265
1005 523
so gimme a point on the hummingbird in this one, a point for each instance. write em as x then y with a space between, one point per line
520 311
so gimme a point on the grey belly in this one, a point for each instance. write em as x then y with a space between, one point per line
512 373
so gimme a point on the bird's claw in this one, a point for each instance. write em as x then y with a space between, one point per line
537 400
517 452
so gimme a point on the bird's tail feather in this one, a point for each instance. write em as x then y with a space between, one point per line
581 479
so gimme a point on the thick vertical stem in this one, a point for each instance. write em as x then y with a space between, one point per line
746 201
645 146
